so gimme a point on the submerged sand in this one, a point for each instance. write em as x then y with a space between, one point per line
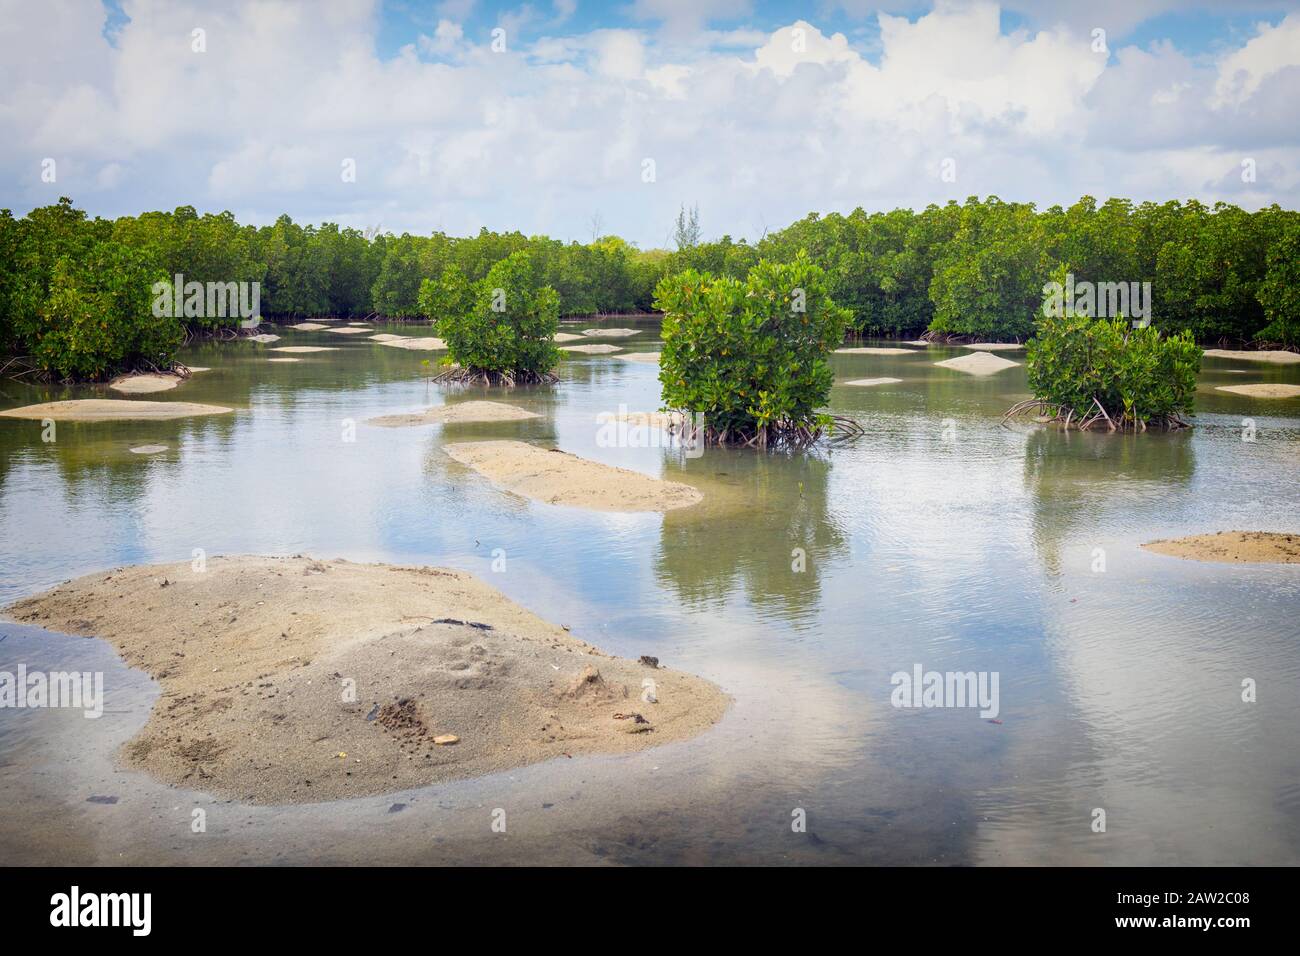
292 680
144 384
610 333
460 412
309 326
424 344
305 348
591 349
264 337
111 409
558 478
148 449
1254 547
874 350
649 358
350 330
978 363
1262 390
866 382
1274 357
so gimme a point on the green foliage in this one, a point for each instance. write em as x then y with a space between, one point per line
750 355
506 332
1138 376
446 299
1279 293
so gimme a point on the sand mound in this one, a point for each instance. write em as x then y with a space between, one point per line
1277 358
309 326
148 449
264 337
460 412
284 360
919 343
649 358
873 350
305 348
350 330
111 409
290 680
873 381
386 337
610 333
427 344
591 349
1254 547
559 478
1262 390
565 337
993 346
977 363
143 384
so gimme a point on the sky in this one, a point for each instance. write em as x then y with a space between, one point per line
573 118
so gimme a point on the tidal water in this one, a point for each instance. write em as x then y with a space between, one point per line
800 585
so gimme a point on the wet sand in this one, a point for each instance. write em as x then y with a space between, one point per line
1233 547
144 384
292 680
978 363
111 409
558 478
456 413
1264 355
1262 390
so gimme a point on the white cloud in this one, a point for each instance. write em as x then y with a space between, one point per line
758 129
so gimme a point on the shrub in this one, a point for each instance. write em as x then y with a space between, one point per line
446 298
750 356
505 334
1086 371
97 316
1279 293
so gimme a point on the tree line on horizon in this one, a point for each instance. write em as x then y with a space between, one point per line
74 290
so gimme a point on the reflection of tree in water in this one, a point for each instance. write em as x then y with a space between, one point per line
757 510
1074 476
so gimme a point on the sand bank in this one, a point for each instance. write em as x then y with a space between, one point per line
426 344
1276 357
649 358
591 349
291 680
565 337
309 326
386 337
148 449
558 478
459 412
264 337
111 409
1262 390
144 384
664 420
993 346
350 330
865 382
305 348
610 333
873 350
284 360
978 363
1254 547
919 343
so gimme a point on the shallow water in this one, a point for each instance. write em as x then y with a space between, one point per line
938 539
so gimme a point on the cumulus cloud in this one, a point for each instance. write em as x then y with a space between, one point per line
758 128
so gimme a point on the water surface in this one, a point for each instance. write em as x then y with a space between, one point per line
940 539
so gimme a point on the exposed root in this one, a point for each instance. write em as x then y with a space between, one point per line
785 435
477 376
1049 413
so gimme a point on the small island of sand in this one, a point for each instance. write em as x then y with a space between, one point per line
471 412
1233 547
111 409
978 363
558 478
292 680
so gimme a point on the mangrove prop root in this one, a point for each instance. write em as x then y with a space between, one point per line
783 435
478 376
1051 413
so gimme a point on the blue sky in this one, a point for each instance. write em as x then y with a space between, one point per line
758 111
